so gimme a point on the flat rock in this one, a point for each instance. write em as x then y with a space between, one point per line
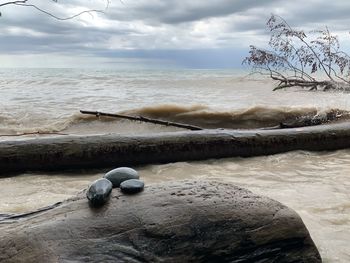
99 191
132 186
121 174
186 221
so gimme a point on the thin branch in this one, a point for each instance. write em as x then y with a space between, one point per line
13 3
24 3
143 119
310 48
339 77
290 64
301 63
60 18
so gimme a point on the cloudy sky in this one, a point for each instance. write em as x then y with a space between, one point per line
153 33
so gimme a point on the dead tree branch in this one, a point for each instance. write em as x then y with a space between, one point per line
296 60
143 119
25 3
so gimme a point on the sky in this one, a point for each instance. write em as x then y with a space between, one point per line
154 33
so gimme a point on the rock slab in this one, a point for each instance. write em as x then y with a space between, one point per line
186 221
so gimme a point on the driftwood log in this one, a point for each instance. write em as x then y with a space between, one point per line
311 120
187 221
143 119
70 152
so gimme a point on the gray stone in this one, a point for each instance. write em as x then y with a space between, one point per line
121 174
132 186
99 191
187 221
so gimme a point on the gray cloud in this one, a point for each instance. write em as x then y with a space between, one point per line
196 30
174 12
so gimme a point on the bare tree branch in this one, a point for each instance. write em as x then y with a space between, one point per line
61 18
26 4
13 3
293 59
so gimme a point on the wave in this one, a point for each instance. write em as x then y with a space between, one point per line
199 115
11 125
253 117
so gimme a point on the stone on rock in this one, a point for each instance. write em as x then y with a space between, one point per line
99 191
121 174
132 186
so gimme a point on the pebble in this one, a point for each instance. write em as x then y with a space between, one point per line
121 174
132 186
99 191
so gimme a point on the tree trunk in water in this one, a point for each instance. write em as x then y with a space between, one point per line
70 152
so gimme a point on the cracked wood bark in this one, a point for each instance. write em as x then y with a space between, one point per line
70 152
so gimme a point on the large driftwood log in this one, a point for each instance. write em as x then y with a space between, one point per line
69 152
189 221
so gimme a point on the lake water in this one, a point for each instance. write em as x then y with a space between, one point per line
316 185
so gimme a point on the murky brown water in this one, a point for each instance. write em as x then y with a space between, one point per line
316 185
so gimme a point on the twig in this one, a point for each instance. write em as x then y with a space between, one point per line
24 3
13 3
60 18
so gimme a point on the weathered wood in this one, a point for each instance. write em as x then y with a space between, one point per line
69 152
311 120
143 119
188 221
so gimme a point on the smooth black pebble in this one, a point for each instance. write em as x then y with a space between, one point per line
121 174
132 186
99 191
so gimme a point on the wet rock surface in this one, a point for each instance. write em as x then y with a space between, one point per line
99 191
121 174
186 221
132 186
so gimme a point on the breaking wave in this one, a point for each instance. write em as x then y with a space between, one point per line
199 115
253 117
